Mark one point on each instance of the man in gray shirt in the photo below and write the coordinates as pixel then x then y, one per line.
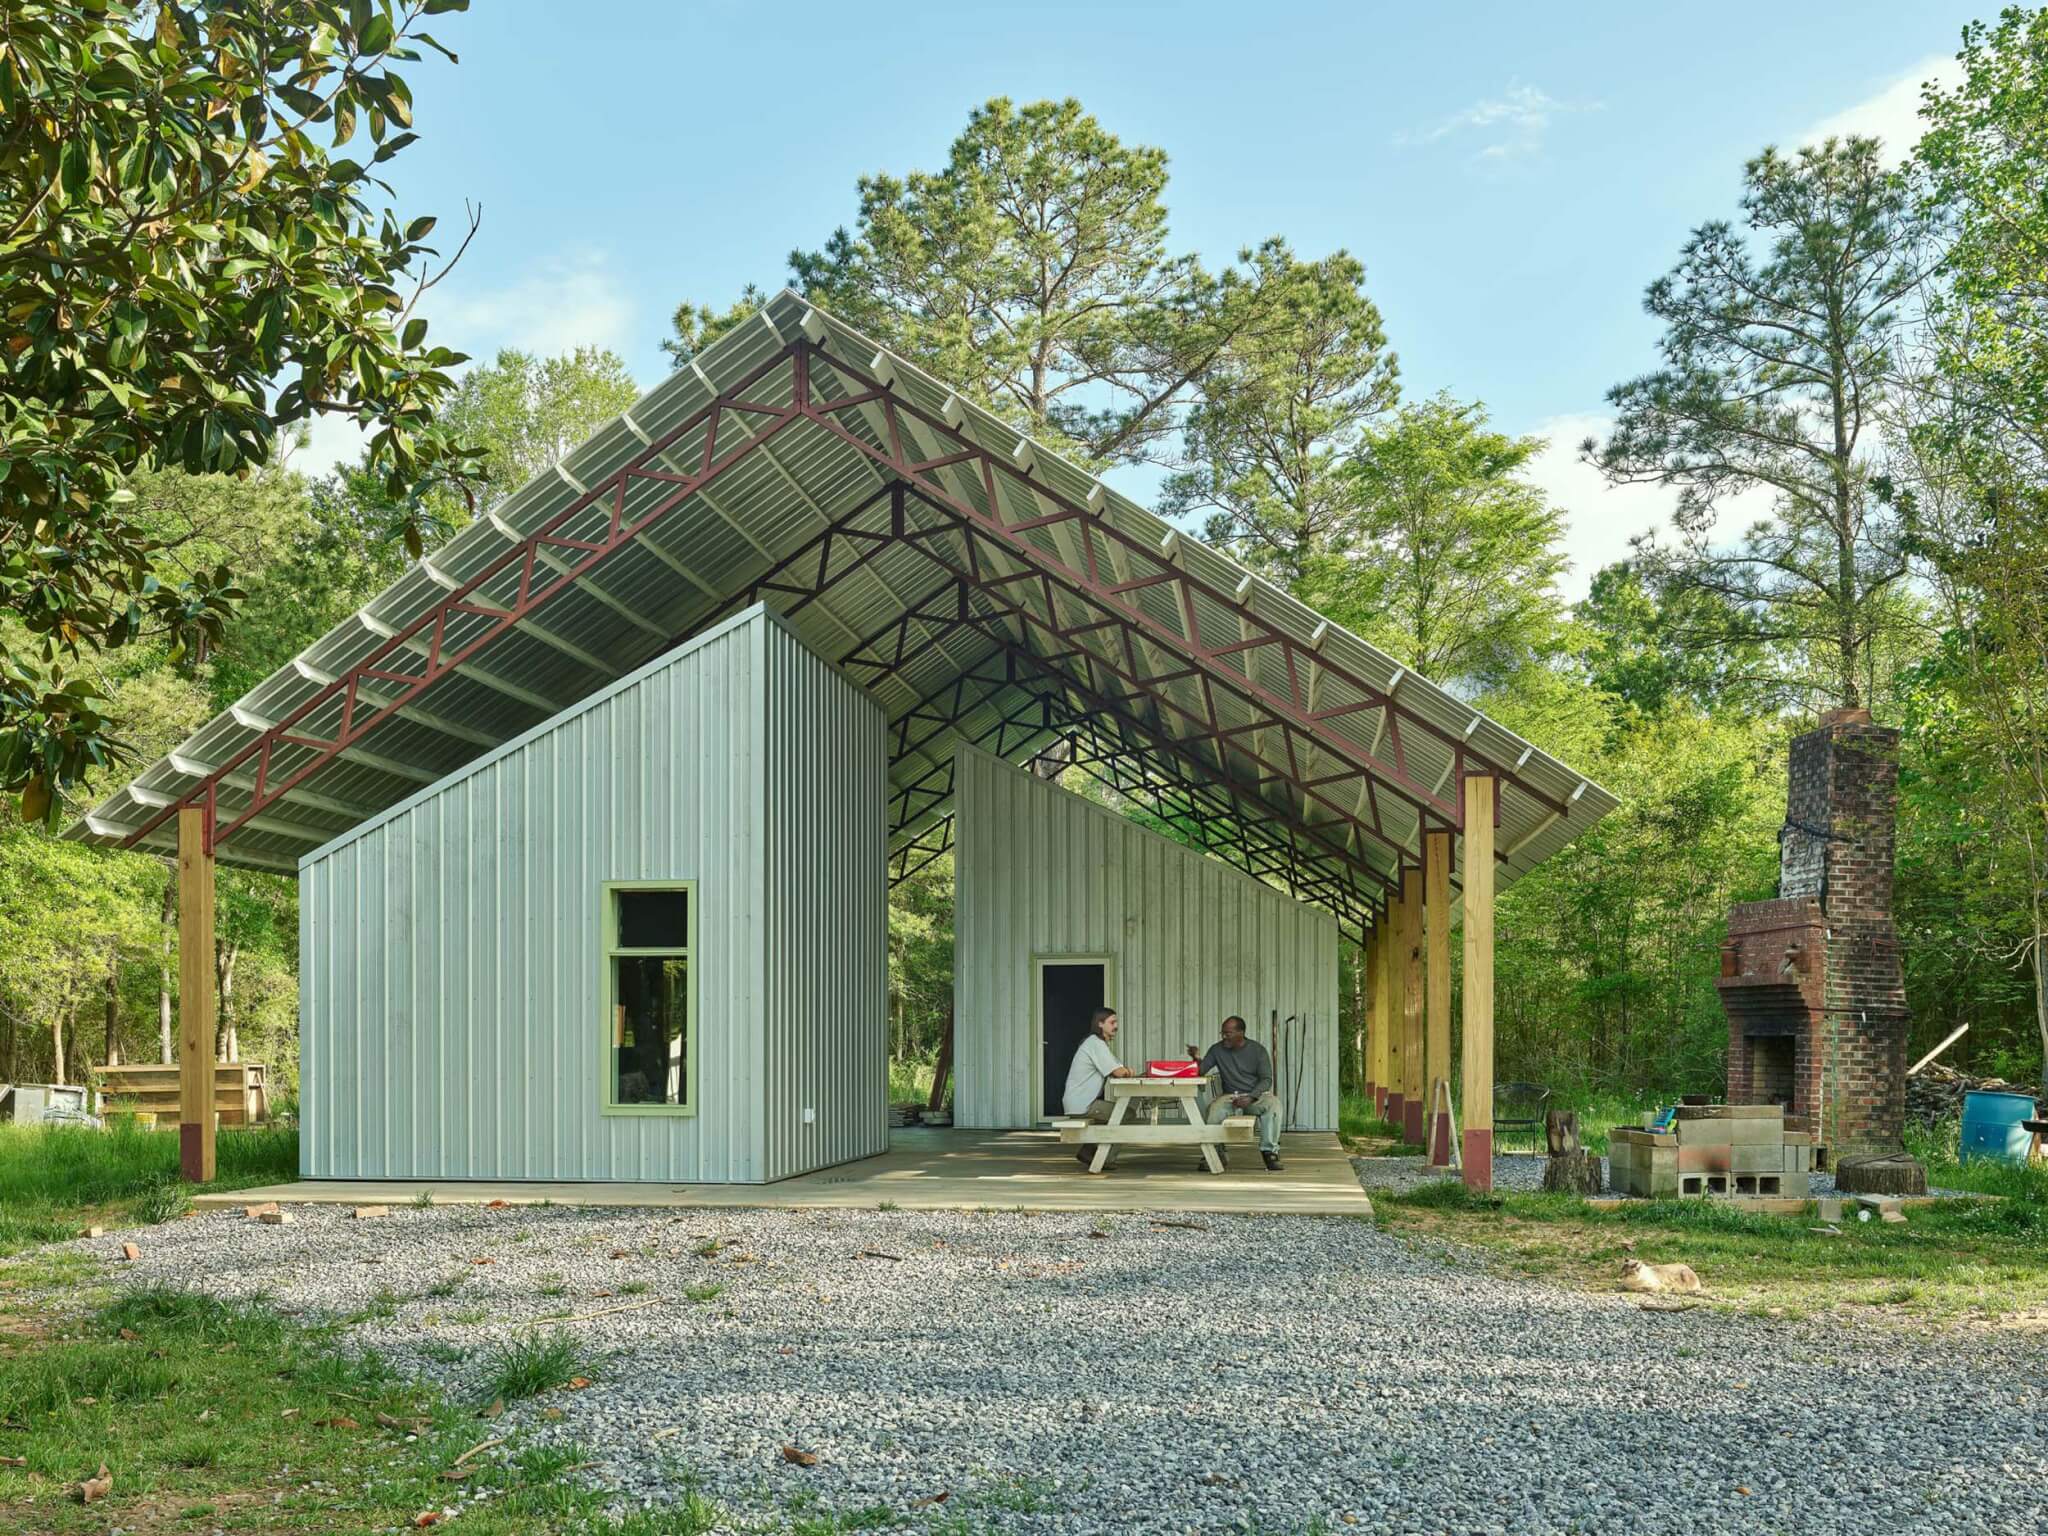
pixel 1244 1070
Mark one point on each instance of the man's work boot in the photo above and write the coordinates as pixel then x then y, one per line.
pixel 1273 1164
pixel 1222 1158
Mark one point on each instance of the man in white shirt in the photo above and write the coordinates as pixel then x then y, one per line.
pixel 1093 1066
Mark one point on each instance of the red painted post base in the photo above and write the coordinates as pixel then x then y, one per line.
pixel 1395 1113
pixel 1411 1122
pixel 1440 1141
pixel 191 1156
pixel 1478 1153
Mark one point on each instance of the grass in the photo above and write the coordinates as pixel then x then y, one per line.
pixel 910 1078
pixel 1949 1260
pixel 530 1366
pixel 55 1179
pixel 231 1415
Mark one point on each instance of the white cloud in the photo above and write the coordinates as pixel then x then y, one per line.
pixel 567 301
pixel 330 440
pixel 1600 518
pixel 1892 112
pixel 571 300
pixel 1510 126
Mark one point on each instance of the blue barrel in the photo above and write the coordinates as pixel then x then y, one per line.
pixel 1991 1126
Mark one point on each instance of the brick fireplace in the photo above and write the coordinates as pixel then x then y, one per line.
pixel 1811 981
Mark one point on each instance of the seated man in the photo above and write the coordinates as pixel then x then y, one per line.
pixel 1245 1070
pixel 1094 1065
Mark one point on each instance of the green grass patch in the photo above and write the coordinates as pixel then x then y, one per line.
pixel 530 1366
pixel 1950 1259
pixel 231 1414
pixel 55 1179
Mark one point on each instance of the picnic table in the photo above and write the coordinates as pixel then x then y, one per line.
pixel 1191 1129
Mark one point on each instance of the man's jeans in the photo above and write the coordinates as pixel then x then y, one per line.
pixel 1266 1107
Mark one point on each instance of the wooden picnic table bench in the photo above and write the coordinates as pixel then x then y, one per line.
pixel 1192 1130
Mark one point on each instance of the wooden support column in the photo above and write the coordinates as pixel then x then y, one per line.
pixel 1436 1052
pixel 195 995
pixel 1409 980
pixel 1368 980
pixel 1390 1015
pixel 1478 1034
pixel 1377 1026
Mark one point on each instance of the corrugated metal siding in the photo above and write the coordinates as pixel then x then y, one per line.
pixel 1040 872
pixel 451 966
pixel 827 930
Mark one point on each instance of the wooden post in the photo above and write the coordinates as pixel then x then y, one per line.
pixel 1410 982
pixel 1390 1016
pixel 1368 997
pixel 195 996
pixel 1375 1026
pixel 1436 1054
pixel 1477 1076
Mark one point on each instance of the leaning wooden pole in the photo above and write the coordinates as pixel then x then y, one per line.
pixel 1413 1086
pixel 1436 885
pixel 1477 1076
pixel 195 996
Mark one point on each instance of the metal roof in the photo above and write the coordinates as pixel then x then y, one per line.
pixel 978 586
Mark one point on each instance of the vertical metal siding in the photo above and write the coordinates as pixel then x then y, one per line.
pixel 1040 872
pixel 826 1044
pixel 450 977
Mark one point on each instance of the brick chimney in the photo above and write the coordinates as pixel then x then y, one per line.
pixel 1812 982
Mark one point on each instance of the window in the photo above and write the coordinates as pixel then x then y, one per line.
pixel 650 1062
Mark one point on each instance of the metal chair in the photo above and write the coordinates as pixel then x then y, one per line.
pixel 1518 1109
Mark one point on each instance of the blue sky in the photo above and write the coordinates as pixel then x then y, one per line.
pixel 1511 175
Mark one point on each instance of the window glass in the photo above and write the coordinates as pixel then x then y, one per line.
pixel 654 919
pixel 649 1000
pixel 650 1029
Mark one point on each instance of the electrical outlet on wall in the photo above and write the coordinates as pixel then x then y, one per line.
pixel 810 1116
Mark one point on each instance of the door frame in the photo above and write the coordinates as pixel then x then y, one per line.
pixel 1039 961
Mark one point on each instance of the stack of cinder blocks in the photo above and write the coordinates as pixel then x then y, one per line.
pixel 1712 1149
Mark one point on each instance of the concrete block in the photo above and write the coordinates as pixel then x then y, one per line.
pixel 1705 1133
pixel 1828 1210
pixel 1697 1159
pixel 1769 1159
pixel 1756 1133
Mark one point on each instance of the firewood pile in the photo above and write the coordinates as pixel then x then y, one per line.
pixel 1935 1093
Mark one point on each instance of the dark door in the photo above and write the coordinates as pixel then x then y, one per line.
pixel 1072 991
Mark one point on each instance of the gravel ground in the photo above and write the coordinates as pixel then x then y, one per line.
pixel 1268 1373
pixel 1524 1172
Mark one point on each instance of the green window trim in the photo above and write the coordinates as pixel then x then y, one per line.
pixel 608 986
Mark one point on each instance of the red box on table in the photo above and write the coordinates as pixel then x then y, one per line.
pixel 1182 1068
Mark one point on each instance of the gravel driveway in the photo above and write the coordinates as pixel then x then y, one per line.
pixel 1267 1373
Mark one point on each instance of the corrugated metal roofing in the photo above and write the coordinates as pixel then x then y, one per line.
pixel 703 556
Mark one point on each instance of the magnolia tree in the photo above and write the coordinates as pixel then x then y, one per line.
pixel 193 265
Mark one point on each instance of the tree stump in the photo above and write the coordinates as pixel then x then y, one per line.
pixel 1880 1173
pixel 1571 1168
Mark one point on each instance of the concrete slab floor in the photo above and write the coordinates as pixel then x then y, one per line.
pixel 927 1170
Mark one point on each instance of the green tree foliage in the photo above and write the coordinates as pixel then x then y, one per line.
pixel 525 414
pixel 1985 159
pixel 1269 441
pixel 694 327
pixel 1450 558
pixel 1777 351
pixel 1033 272
pixel 179 230
pixel 1607 952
